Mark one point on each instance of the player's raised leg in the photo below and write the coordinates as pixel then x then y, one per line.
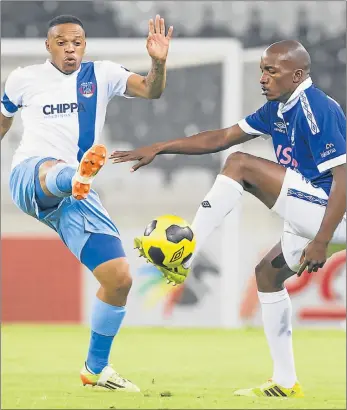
pixel 104 255
pixel 276 308
pixel 260 177
pixel 58 179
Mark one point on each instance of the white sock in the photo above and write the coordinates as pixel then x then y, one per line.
pixel 216 205
pixel 277 318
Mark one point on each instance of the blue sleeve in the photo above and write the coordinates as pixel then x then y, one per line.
pixel 12 97
pixel 257 123
pixel 327 137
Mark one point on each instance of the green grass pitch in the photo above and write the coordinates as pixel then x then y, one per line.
pixel 175 368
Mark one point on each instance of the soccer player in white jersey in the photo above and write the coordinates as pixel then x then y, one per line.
pixel 307 188
pixel 63 105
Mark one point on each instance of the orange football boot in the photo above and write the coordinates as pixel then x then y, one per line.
pixel 91 163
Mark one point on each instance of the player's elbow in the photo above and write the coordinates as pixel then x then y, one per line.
pixel 154 95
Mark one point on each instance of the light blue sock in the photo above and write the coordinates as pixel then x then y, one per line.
pixel 106 321
pixel 59 179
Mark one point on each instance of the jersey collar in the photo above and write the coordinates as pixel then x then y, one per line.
pixel 294 98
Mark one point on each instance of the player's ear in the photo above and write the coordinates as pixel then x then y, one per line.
pixel 47 46
pixel 297 76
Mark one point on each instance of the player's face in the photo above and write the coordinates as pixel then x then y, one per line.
pixel 278 79
pixel 66 43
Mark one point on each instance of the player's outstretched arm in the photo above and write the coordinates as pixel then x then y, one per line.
pixel 152 86
pixel 203 143
pixel 6 123
pixel 315 253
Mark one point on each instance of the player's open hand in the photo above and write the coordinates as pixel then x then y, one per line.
pixel 157 41
pixel 313 257
pixel 144 156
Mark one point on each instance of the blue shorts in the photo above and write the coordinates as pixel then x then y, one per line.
pixel 84 226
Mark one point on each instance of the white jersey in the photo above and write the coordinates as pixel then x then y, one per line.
pixel 63 115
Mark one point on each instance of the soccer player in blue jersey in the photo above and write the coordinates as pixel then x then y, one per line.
pixel 64 103
pixel 307 188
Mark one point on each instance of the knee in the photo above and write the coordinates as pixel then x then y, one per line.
pixel 267 278
pixel 236 162
pixel 261 275
pixel 114 276
pixel 121 281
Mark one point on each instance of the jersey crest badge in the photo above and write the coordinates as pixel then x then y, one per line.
pixel 87 89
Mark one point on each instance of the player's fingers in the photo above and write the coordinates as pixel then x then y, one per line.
pixel 157 24
pixel 116 154
pixel 137 166
pixel 302 268
pixel 169 33
pixel 162 26
pixel 119 157
pixel 123 159
pixel 310 267
pixel 150 27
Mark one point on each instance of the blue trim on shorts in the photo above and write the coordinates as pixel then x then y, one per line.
pixel 307 197
pixel 101 248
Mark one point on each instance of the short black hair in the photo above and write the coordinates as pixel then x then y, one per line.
pixel 63 19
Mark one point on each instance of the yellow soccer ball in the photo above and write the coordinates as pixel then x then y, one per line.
pixel 168 241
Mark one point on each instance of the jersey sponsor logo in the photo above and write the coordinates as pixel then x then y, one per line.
pixel 87 89
pixel 329 149
pixel 280 127
pixel 65 108
pixel 285 157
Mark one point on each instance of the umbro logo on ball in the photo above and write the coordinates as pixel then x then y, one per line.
pixel 177 255
pixel 205 204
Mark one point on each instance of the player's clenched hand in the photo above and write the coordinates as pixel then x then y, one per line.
pixel 313 257
pixel 157 41
pixel 144 156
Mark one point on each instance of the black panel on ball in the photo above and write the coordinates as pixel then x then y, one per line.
pixel 186 259
pixel 176 233
pixel 157 256
pixel 150 228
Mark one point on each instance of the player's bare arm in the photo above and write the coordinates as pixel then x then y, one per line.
pixel 152 86
pixel 205 142
pixel 6 123
pixel 315 254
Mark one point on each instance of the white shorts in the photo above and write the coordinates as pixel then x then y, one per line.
pixel 302 206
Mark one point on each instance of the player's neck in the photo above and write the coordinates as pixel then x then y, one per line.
pixel 285 98
pixel 55 66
